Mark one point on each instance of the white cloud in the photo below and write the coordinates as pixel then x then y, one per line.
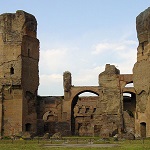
pixel 119 46
pixel 85 66
pixel 122 53
pixel 52 83
pixel 45 79
pixel 101 47
pixel 52 60
pixel 88 76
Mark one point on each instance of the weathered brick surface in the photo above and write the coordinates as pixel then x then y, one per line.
pixel 106 114
pixel 141 74
pixel 19 79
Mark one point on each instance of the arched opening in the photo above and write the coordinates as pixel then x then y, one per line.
pixel 28 127
pixel 130 84
pixel 82 110
pixel 129 107
pixel 129 102
pixel 143 129
pixel 85 94
pixel 50 119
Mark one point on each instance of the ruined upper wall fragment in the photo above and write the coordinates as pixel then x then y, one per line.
pixel 143 34
pixel 143 26
pixel 111 69
pixel 13 26
pixel 67 81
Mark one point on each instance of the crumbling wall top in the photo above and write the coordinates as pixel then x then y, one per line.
pixel 111 69
pixel 13 26
pixel 143 26
pixel 67 81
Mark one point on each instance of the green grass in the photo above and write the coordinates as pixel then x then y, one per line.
pixel 34 145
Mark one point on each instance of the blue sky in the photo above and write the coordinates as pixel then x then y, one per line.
pixel 81 36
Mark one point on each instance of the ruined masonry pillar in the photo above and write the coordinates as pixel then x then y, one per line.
pixel 67 82
pixel 1 114
pixel 141 75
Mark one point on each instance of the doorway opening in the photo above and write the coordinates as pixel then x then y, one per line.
pixel 143 129
pixel 82 110
pixel 28 127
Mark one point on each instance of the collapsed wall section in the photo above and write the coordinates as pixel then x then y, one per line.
pixel 141 74
pixel 107 117
pixel 17 33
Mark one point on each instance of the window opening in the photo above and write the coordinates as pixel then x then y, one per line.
pixel 94 110
pixel 28 52
pixel 79 110
pixel 143 129
pixel 11 70
pixel 87 110
pixel 142 47
pixel 28 127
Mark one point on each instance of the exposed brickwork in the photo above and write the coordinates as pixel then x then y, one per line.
pixel 19 80
pixel 141 73
pixel 107 114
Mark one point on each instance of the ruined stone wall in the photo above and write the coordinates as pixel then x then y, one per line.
pixel 109 83
pixel 141 73
pixel 49 111
pixel 107 117
pixel 67 83
pixel 104 115
pixel 30 79
pixel 129 108
pixel 83 112
pixel 12 108
pixel 18 71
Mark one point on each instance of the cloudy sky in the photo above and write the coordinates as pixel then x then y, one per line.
pixel 81 36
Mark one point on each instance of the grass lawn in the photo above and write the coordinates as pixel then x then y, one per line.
pixel 34 145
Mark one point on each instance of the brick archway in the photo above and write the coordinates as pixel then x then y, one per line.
pixel 74 105
pixel 76 90
pixel 71 99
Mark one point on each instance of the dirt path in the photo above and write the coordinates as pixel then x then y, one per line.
pixel 81 145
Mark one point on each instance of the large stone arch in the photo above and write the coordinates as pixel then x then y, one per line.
pixel 129 90
pixel 129 109
pixel 75 98
pixel 70 101
pixel 125 79
pixel 49 119
pixel 81 89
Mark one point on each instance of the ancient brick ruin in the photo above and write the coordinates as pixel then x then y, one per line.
pixel 110 112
